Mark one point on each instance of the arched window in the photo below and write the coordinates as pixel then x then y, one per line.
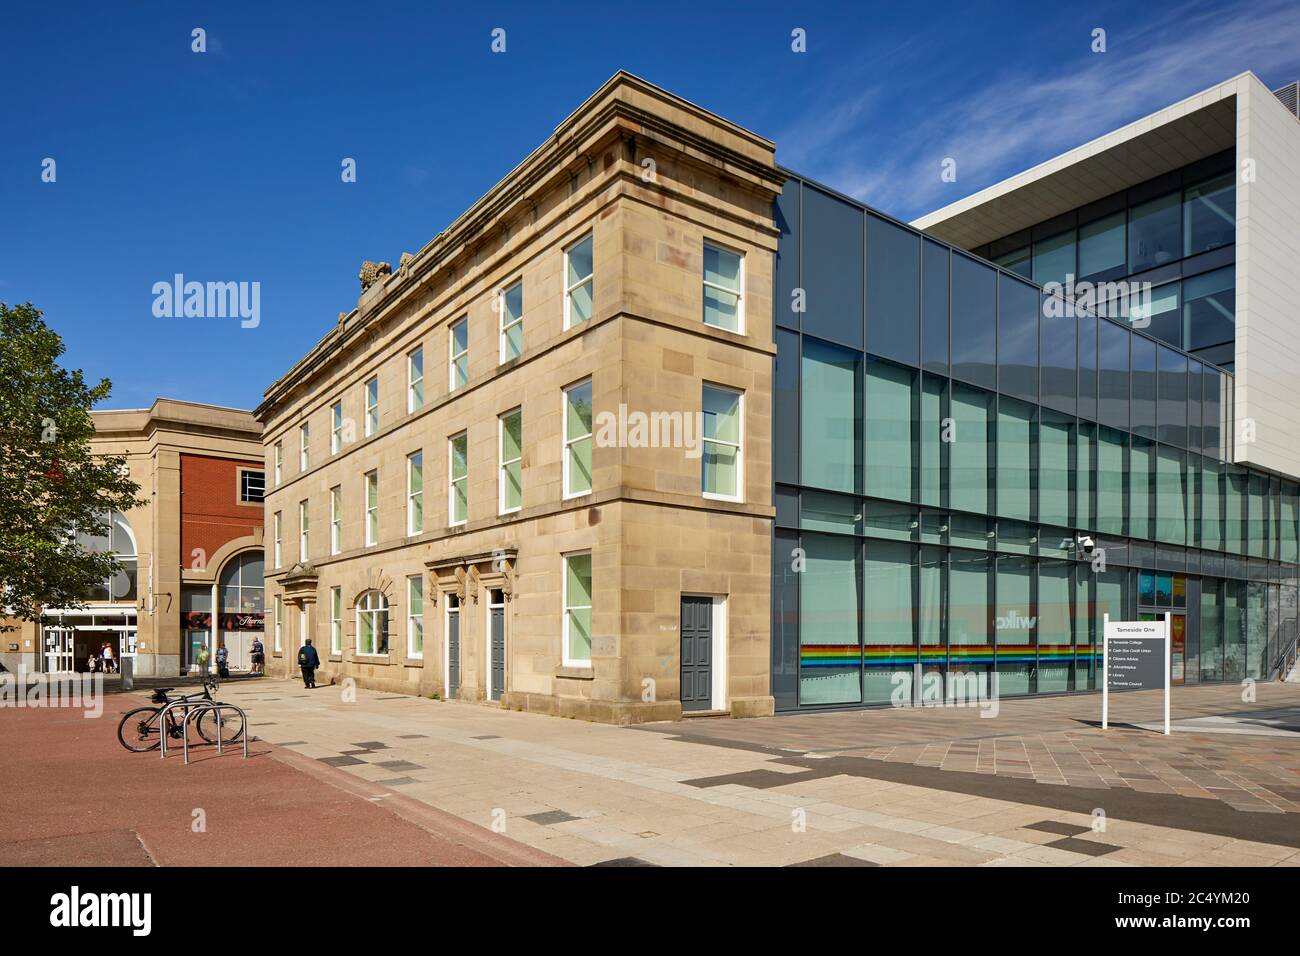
pixel 372 623
pixel 113 536
pixel 242 586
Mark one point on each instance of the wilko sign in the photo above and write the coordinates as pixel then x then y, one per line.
pixel 1135 657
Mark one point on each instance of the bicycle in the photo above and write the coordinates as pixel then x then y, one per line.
pixel 139 729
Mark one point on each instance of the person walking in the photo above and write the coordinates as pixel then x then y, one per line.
pixel 223 662
pixel 308 660
pixel 258 657
pixel 203 658
pixel 107 654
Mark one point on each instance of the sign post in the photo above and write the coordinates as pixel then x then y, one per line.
pixel 1135 656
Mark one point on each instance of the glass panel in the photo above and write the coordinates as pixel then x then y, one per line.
pixel 819 511
pixel 1234 630
pixel 1018 307
pixel 969 645
pixel 974 322
pixel 1155 312
pixel 934 304
pixel 1110 481
pixel 830 429
pixel 1054 467
pixel 888 424
pixel 1113 379
pixel 968 450
pixel 1101 245
pixel 889 652
pixel 785 408
pixel 934 490
pixel 1014 626
pixel 893 290
pixel 579 262
pixel 1059 355
pixel 1142 409
pixel 1172 420
pixel 1088 366
pixel 829 614
pixel 1209 215
pixel 578 606
pixel 1055 630
pixel 1155 232
pixel 1256 629
pixel 1211 504
pixel 1210 308
pixel 1014 458
pixel 1171 496
pixel 1085 475
pixel 832 268
pixel 1054 258
pixel 1141 464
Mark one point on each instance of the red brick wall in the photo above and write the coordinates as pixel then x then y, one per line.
pixel 211 512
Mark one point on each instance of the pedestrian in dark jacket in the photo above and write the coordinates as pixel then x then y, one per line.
pixel 308 660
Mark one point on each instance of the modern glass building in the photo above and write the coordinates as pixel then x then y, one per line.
pixel 968 473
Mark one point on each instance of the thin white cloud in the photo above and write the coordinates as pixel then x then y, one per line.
pixel 1016 119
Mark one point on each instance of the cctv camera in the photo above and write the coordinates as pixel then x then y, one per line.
pixel 1086 543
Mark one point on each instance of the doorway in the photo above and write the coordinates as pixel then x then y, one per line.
pixel 703 653
pixel 1177 643
pixel 496 643
pixel 59 650
pixel 452 662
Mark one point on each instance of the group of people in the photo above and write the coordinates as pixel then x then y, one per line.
pixel 102 662
pixel 257 659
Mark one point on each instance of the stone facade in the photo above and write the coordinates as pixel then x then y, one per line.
pixel 650 178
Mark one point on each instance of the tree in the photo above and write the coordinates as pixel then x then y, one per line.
pixel 51 485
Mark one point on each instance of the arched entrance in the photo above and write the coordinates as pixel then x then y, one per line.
pixel 240 616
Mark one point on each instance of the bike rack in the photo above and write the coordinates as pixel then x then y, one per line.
pixel 192 710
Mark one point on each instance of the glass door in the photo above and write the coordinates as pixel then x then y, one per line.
pixel 58 650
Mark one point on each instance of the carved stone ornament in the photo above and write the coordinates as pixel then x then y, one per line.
pixel 371 271
pixel 404 263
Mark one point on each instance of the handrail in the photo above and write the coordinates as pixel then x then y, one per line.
pixel 1286 658
pixel 162 719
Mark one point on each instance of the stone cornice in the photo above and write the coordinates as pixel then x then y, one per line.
pixel 611 114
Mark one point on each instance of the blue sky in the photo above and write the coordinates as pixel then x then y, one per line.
pixel 225 166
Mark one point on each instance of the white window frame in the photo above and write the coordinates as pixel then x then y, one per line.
pixel 502 463
pixel 590 279
pixel 372 510
pixel 452 480
pixel 372 407
pixel 503 326
pixel 336 427
pixel 304 531
pixel 336 620
pixel 565 608
pixel 374 631
pixel 277 531
pixel 304 446
pixel 569 441
pixel 278 462
pixel 411 652
pixel 336 519
pixel 739 445
pixel 453 355
pixel 414 460
pixel 414 382
pixel 738 292
pixel 278 606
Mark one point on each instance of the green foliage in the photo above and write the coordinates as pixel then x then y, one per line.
pixel 50 483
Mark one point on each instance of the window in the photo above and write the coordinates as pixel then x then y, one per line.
pixel 1019 305
pixel 276 537
pixel 336 520
pixel 111 534
pixel 1101 245
pixel 279 617
pixel 722 458
pixel 723 280
pixel 336 620
pixel 372 624
pixel 893 291
pixel 279 462
pixel 415 616
pixel 831 408
pixel 415 493
pixel 887 430
pixel 579 285
pixel 372 507
pixel 304 446
pixel 974 322
pixel 458 338
pixel 511 486
pixel 243 585
pixel 372 406
pixel 1209 215
pixel 458 479
pixel 415 380
pixel 304 532
pixel 577 439
pixel 252 486
pixel 336 428
pixel 577 608
pixel 1054 258
pixel 1210 308
pixel 511 304
pixel 1155 233
pixel 1157 314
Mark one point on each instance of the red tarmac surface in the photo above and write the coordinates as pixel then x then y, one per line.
pixel 73 796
